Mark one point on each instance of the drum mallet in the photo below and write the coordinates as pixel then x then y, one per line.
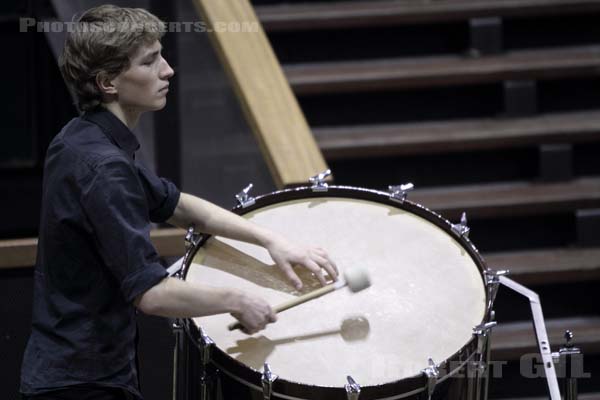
pixel 356 279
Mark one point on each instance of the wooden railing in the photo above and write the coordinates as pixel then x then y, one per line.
pixel 21 253
pixel 270 107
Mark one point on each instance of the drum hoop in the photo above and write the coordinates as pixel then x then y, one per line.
pixel 394 397
pixel 407 386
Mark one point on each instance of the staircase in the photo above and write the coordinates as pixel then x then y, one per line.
pixel 490 107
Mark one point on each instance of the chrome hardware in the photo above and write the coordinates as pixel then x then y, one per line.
pixel 493 275
pixel 189 236
pixel 180 366
pixel 432 374
pixel 267 380
pixel 399 192
pixel 461 229
pixel 352 389
pixel 205 343
pixel 482 357
pixel 318 181
pixel 243 198
pixel 568 357
pixel 191 240
pixel 484 329
pixel 568 337
pixel 492 282
pixel 482 332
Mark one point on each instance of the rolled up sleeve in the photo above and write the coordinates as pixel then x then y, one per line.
pixel 117 208
pixel 162 195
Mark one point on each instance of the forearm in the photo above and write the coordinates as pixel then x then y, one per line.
pixel 182 299
pixel 209 218
pixel 212 219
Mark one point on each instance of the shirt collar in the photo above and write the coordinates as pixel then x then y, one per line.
pixel 116 130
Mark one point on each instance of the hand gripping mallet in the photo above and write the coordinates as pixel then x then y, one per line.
pixel 356 279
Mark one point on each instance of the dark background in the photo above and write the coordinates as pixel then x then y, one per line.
pixel 202 142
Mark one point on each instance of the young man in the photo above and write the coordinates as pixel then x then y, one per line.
pixel 96 264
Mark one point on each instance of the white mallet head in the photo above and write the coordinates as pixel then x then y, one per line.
pixel 357 279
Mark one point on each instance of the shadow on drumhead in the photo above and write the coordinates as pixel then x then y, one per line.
pixel 227 258
pixel 254 351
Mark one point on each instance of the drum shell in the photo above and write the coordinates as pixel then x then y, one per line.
pixel 237 379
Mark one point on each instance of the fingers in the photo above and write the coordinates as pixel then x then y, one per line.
pixel 327 264
pixel 318 259
pixel 255 314
pixel 287 269
pixel 316 270
pixel 252 328
pixel 272 317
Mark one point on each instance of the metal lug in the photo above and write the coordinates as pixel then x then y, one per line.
pixel 484 329
pixel 399 192
pixel 190 236
pixel 432 374
pixel 461 229
pixel 267 380
pixel 352 389
pixel 482 332
pixel 243 198
pixel 318 181
pixel 205 343
pixel 493 275
pixel 492 283
pixel 191 240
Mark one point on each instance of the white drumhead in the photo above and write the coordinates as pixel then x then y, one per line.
pixel 426 296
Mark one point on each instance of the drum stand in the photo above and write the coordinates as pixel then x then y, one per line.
pixel 564 357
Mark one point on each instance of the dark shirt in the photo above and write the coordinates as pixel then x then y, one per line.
pixel 94 257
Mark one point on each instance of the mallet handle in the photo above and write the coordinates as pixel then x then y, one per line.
pixel 298 300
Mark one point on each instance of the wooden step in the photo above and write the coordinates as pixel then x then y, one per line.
pixel 549 266
pixel 512 340
pixel 403 73
pixel 21 253
pixel 459 135
pixel 353 14
pixel 580 396
pixel 511 199
pixel 485 200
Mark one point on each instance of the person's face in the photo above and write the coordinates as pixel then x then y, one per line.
pixel 144 85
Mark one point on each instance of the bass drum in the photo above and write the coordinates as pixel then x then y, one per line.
pixel 427 294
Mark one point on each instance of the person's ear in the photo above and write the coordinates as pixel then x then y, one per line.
pixel 106 83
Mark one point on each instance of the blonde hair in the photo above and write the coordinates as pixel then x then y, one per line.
pixel 103 40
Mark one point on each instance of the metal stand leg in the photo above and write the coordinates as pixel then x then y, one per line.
pixel 566 357
pixel 180 362
pixel 481 364
pixel 207 379
pixel 193 376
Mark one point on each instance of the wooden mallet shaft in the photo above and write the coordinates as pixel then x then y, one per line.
pixel 356 279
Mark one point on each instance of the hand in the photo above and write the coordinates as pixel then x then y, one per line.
pixel 253 313
pixel 286 254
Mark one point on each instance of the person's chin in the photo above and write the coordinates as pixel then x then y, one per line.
pixel 159 104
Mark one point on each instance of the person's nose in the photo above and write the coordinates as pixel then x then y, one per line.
pixel 166 72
